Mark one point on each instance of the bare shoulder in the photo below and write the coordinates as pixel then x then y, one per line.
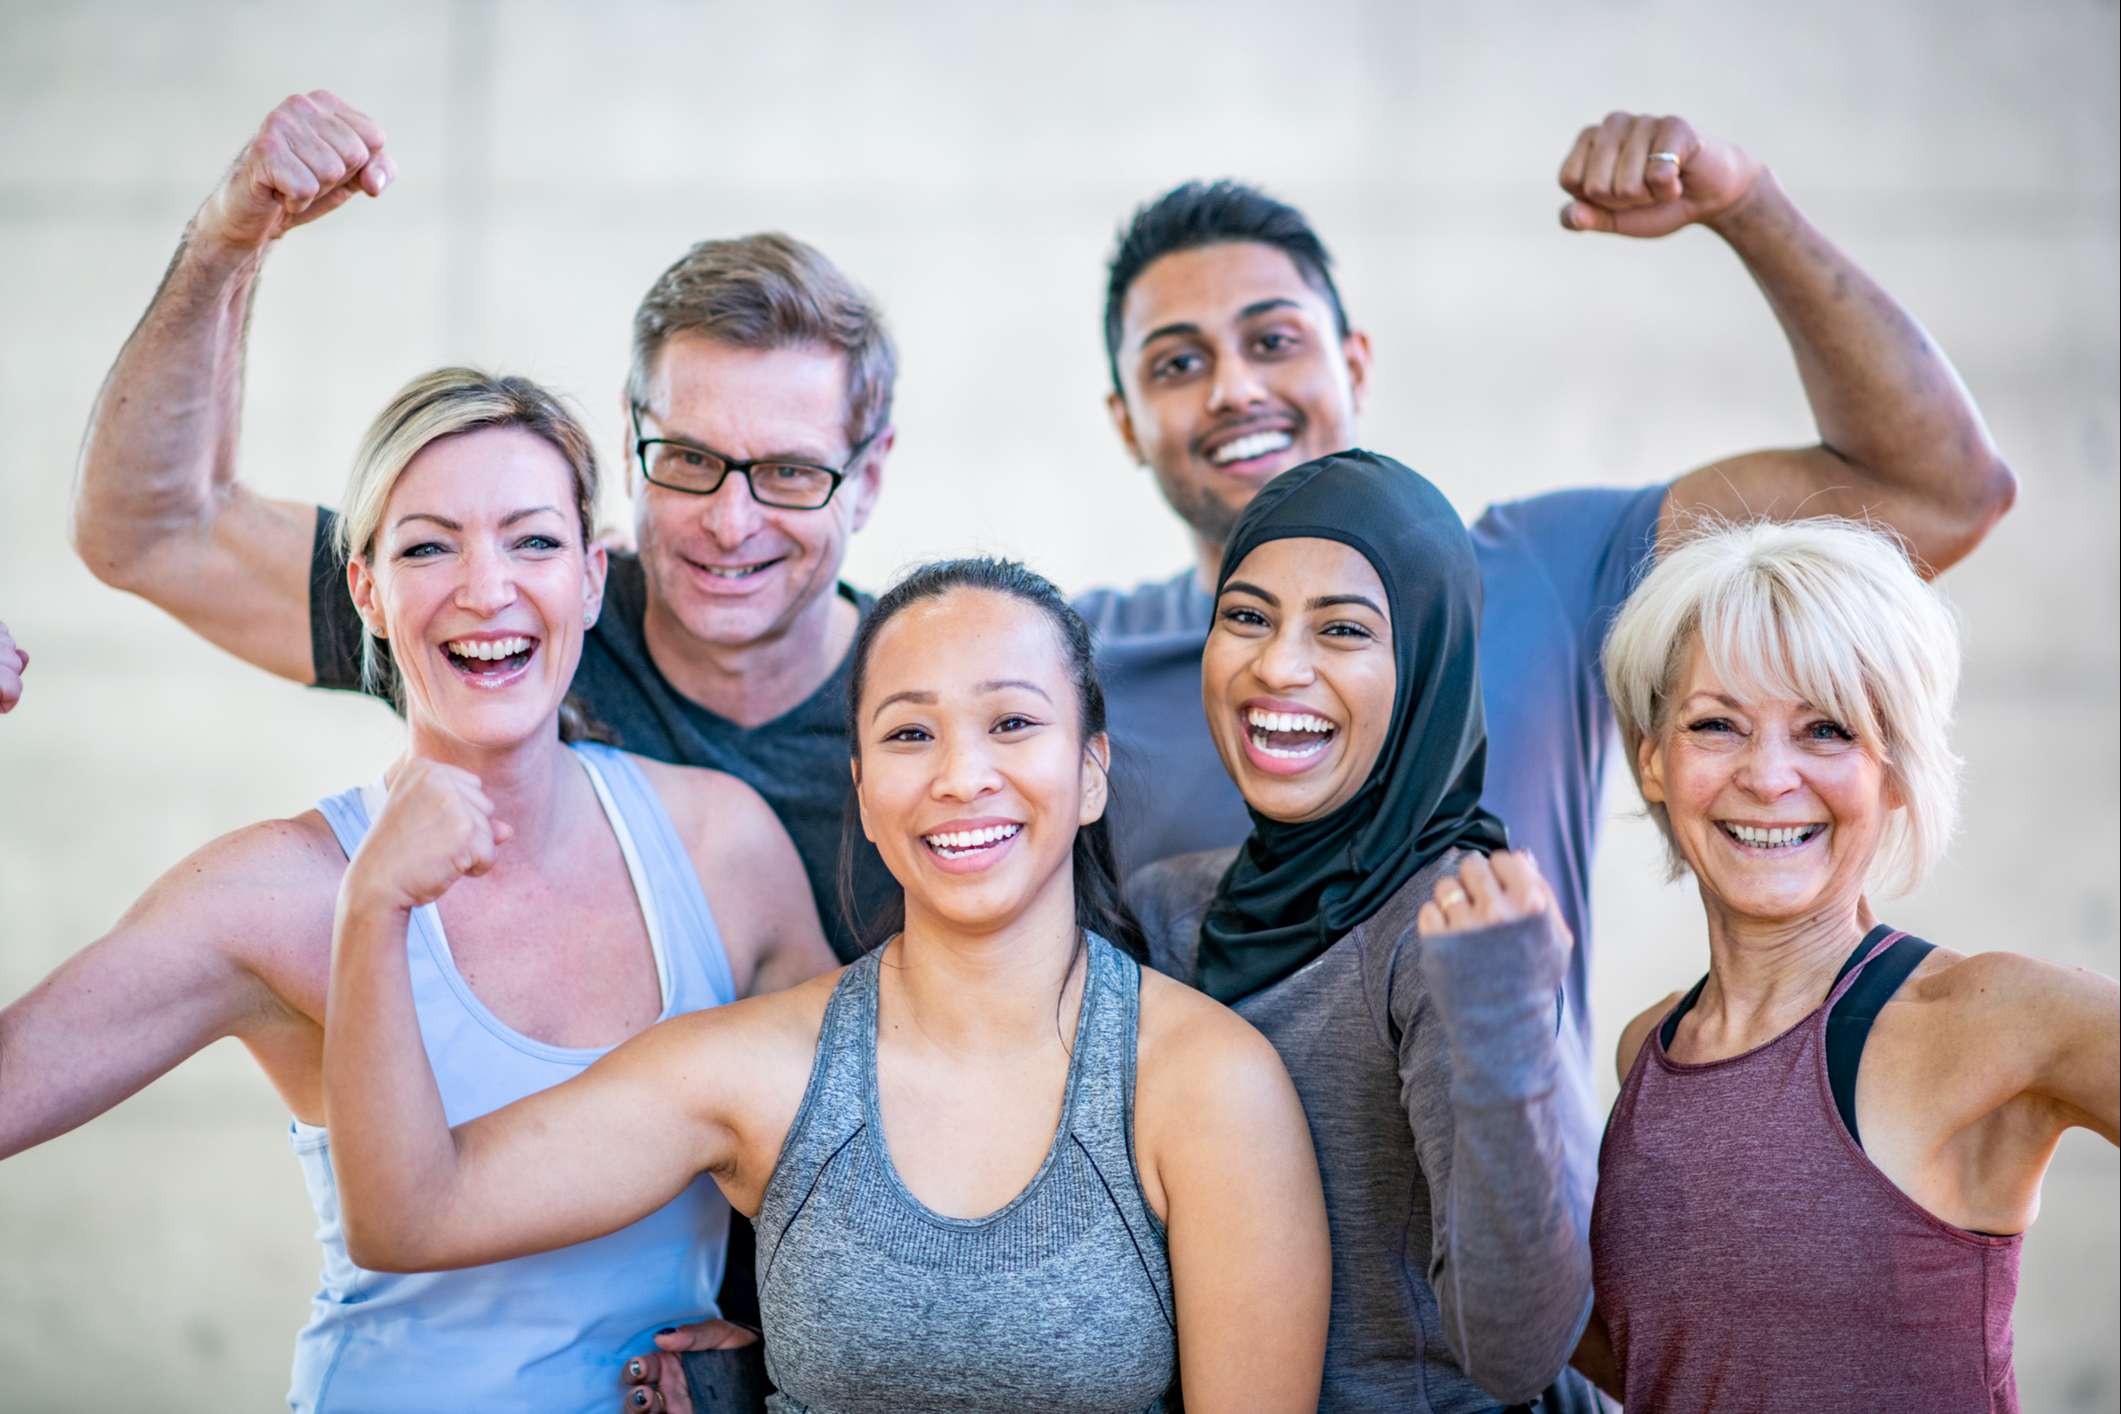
pixel 1637 1032
pixel 1990 986
pixel 701 800
pixel 1195 1050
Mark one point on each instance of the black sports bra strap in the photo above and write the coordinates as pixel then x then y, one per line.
pixel 1848 1025
pixel 1666 1032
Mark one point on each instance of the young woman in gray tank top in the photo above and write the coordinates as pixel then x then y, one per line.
pixel 994 1165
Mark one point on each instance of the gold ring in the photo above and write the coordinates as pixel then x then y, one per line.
pixel 1456 895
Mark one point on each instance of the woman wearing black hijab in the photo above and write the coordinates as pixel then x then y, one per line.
pixel 1377 930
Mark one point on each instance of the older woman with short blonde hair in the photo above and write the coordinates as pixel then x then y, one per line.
pixel 1815 1181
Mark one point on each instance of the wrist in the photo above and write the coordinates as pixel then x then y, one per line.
pixel 210 255
pixel 1759 210
pixel 365 900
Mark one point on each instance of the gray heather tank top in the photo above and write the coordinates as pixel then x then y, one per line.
pixel 1059 1300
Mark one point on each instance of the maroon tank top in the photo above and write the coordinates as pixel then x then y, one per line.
pixel 1749 1257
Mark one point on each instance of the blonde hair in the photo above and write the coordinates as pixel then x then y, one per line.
pixel 769 291
pixel 446 403
pixel 1826 611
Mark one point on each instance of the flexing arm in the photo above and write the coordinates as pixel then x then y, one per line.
pixel 157 507
pixel 1900 439
pixel 1251 1264
pixel 1510 1260
pixel 180 970
pixel 2062 1028
pixel 561 1166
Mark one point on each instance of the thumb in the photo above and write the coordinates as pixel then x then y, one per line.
pixel 503 832
pixel 1582 216
pixel 707 1335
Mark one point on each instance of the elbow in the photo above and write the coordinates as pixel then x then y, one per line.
pixel 382 1241
pixel 1984 491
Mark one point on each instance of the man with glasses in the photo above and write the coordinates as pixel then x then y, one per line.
pixel 759 403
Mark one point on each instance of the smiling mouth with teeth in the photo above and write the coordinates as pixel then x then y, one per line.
pixel 1256 444
pixel 1775 837
pixel 956 844
pixel 1290 736
pixel 490 656
pixel 736 571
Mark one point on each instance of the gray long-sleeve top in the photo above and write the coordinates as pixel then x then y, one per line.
pixel 1429 1070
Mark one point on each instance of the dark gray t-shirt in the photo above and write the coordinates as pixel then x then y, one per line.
pixel 797 761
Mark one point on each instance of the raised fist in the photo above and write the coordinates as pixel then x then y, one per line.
pixel 1500 888
pixel 311 156
pixel 437 827
pixel 12 661
pixel 1642 176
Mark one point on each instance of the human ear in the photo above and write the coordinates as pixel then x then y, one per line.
pixel 1649 769
pixel 868 478
pixel 1123 424
pixel 596 563
pixel 1097 779
pixel 1355 349
pixel 361 584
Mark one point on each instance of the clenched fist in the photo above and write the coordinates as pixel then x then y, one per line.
pixel 311 156
pixel 1500 888
pixel 437 827
pixel 1641 176
pixel 12 661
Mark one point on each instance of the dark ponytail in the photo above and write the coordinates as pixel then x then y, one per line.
pixel 1100 907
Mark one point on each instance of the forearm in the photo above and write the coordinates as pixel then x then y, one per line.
pixel 392 1150
pixel 1885 398
pixel 161 442
pixel 1511 1259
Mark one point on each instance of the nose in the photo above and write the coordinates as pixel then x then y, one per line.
pixel 730 516
pixel 1237 385
pixel 489 584
pixel 1768 770
pixel 1284 661
pixel 966 771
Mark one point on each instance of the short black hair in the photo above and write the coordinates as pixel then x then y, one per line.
pixel 1209 213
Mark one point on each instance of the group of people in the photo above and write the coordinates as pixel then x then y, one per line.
pixel 1176 995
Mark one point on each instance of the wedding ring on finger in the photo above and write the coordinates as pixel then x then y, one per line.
pixel 1671 157
pixel 1450 896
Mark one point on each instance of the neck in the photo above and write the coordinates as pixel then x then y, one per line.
pixel 989 990
pixel 1765 973
pixel 526 782
pixel 1207 560
pixel 753 682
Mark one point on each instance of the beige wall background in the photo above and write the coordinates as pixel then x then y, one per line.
pixel 970 164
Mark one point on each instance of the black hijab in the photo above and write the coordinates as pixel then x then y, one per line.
pixel 1294 890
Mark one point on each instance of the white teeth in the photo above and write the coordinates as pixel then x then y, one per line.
pixel 1259 444
pixel 1773 837
pixel 1286 721
pixel 953 843
pixel 488 649
pixel 738 572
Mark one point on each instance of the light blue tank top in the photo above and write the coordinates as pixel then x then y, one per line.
pixel 550 1331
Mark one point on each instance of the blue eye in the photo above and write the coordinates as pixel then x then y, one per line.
pixel 1825 730
pixel 425 549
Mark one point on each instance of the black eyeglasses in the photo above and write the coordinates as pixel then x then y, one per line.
pixel 696 471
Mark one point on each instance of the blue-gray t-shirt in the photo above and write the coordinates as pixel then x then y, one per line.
pixel 1554 569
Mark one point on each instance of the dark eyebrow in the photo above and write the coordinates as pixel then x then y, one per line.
pixel 1241 586
pixel 925 699
pixel 1162 330
pixel 1328 601
pixel 1261 306
pixel 996 684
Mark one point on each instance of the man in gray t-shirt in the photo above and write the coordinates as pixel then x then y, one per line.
pixel 1232 360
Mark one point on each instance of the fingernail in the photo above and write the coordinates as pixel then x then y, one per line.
pixel 640 1399
pixel 668 1330
pixel 635 1369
